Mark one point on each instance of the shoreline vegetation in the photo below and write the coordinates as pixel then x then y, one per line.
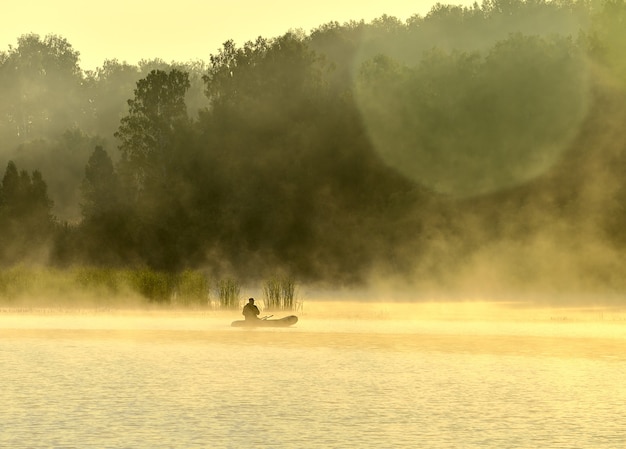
pixel 108 287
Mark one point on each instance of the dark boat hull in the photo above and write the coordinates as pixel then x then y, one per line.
pixel 282 322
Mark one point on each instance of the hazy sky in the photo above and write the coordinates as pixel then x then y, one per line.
pixel 182 30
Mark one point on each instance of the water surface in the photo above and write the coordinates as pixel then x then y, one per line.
pixel 152 379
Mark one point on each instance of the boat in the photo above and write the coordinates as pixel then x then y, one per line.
pixel 280 322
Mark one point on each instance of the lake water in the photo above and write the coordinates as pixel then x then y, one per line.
pixel 186 379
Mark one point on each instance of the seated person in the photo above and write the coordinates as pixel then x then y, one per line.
pixel 250 311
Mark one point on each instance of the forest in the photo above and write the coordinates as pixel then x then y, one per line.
pixel 474 149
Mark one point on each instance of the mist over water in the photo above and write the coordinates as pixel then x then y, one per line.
pixel 372 376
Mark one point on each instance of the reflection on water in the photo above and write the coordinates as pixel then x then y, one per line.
pixel 85 379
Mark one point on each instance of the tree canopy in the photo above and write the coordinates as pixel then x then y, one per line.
pixel 419 151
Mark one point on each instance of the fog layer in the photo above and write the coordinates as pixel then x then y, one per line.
pixel 474 149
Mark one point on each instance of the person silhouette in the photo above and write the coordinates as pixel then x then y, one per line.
pixel 250 311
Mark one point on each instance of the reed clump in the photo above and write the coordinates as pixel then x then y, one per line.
pixel 189 288
pixel 279 293
pixel 193 289
pixel 228 292
pixel 100 281
pixel 17 281
pixel 155 286
pixel 96 284
pixel 21 282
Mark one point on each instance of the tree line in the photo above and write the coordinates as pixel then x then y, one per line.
pixel 406 149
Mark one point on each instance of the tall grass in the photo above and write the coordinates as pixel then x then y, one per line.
pixel 20 282
pixel 271 294
pixel 193 289
pixel 279 293
pixel 80 284
pixel 95 285
pixel 100 281
pixel 17 281
pixel 228 292
pixel 155 286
